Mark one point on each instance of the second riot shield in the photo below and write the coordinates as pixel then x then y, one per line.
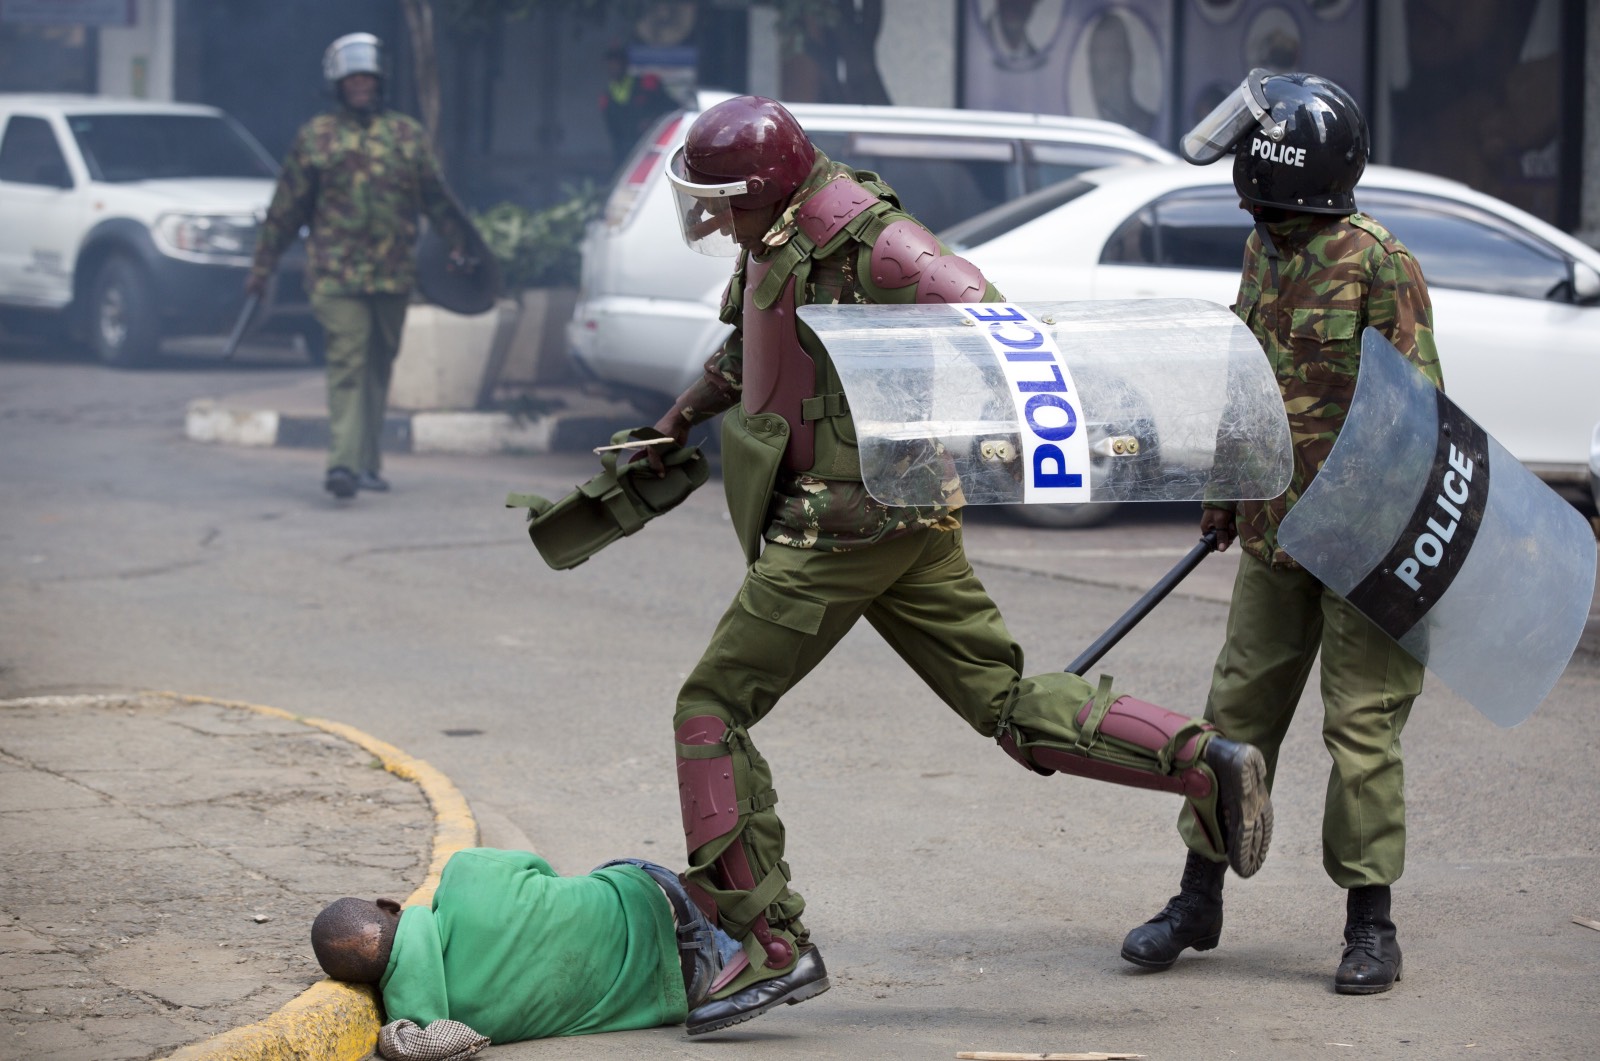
pixel 1058 402
pixel 1432 530
pixel 467 284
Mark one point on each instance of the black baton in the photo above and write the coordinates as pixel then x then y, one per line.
pixel 249 310
pixel 1152 597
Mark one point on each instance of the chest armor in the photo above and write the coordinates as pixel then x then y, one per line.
pixel 779 374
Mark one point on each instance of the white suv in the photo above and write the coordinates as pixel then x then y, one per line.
pixel 646 318
pixel 133 220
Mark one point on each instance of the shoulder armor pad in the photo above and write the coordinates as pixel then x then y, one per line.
pixel 902 252
pixel 834 206
pixel 951 279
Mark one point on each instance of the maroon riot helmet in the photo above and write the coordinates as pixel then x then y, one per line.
pixel 747 153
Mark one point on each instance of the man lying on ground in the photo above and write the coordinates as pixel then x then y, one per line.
pixel 511 951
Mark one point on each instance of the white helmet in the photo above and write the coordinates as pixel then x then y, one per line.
pixel 354 53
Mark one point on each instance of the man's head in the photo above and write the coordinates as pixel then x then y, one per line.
pixel 352 938
pixel 740 163
pixel 616 62
pixel 1300 143
pixel 353 67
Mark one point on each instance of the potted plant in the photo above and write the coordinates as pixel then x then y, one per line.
pixel 450 361
pixel 540 258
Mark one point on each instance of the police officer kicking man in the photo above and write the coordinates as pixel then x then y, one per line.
pixel 1316 273
pixel 357 176
pixel 823 553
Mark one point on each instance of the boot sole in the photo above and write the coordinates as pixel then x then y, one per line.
pixel 1249 812
pixel 795 997
pixel 1209 943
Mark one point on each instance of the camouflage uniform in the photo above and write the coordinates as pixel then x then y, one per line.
pixel 358 181
pixel 1336 277
pixel 833 554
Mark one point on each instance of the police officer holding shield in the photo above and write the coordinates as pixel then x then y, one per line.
pixel 824 553
pixel 1317 272
pixel 358 177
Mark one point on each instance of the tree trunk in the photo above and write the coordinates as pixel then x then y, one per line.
pixel 831 55
pixel 419 20
pixel 857 43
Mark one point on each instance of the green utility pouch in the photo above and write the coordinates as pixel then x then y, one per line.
pixel 614 503
pixel 752 453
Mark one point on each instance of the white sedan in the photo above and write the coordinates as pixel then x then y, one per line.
pixel 1516 301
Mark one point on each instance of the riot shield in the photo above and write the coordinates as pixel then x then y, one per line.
pixel 1444 540
pixel 469 286
pixel 1058 402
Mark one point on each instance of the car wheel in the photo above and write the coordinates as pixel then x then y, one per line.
pixel 1063 517
pixel 124 330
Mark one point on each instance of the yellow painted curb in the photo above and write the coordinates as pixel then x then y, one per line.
pixel 331 1021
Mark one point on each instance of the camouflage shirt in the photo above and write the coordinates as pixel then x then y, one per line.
pixel 809 511
pixel 1336 277
pixel 359 182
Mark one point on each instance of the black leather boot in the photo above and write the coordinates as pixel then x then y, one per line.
pixel 1371 962
pixel 1243 804
pixel 1192 918
pixel 807 979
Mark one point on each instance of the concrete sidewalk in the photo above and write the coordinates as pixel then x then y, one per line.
pixel 163 857
pixel 547 420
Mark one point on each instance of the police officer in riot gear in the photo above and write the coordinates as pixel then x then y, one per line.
pixel 1316 274
pixel 823 553
pixel 356 177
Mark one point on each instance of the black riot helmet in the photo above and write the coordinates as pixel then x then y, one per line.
pixel 1299 142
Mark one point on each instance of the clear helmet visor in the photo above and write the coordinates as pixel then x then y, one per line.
pixel 705 213
pixel 1220 132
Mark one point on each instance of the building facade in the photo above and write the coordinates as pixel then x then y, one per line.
pixel 1503 96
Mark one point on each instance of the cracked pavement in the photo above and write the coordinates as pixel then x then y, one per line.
pixel 161 861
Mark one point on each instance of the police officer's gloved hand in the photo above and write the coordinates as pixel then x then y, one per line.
pixel 255 284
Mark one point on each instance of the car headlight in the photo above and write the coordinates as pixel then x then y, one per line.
pixel 220 238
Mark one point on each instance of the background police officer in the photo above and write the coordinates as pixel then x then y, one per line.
pixel 823 553
pixel 1316 273
pixel 356 177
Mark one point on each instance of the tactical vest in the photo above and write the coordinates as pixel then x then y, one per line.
pixel 786 370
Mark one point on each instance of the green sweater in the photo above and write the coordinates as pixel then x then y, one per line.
pixel 516 952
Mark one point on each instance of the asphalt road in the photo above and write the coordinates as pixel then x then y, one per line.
pixel 961 904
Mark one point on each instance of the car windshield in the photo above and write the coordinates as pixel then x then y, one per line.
pixel 1018 212
pixel 139 147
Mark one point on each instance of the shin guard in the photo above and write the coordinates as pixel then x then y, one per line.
pixel 713 819
pixel 1127 742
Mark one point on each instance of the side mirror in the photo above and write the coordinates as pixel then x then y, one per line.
pixel 1585 284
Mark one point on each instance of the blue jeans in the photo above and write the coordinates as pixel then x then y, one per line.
pixel 703 948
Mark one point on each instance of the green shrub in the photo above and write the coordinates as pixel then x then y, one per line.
pixel 540 248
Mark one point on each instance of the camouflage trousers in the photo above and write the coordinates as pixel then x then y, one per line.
pixel 1279 620
pixel 363 336
pixel 920 593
